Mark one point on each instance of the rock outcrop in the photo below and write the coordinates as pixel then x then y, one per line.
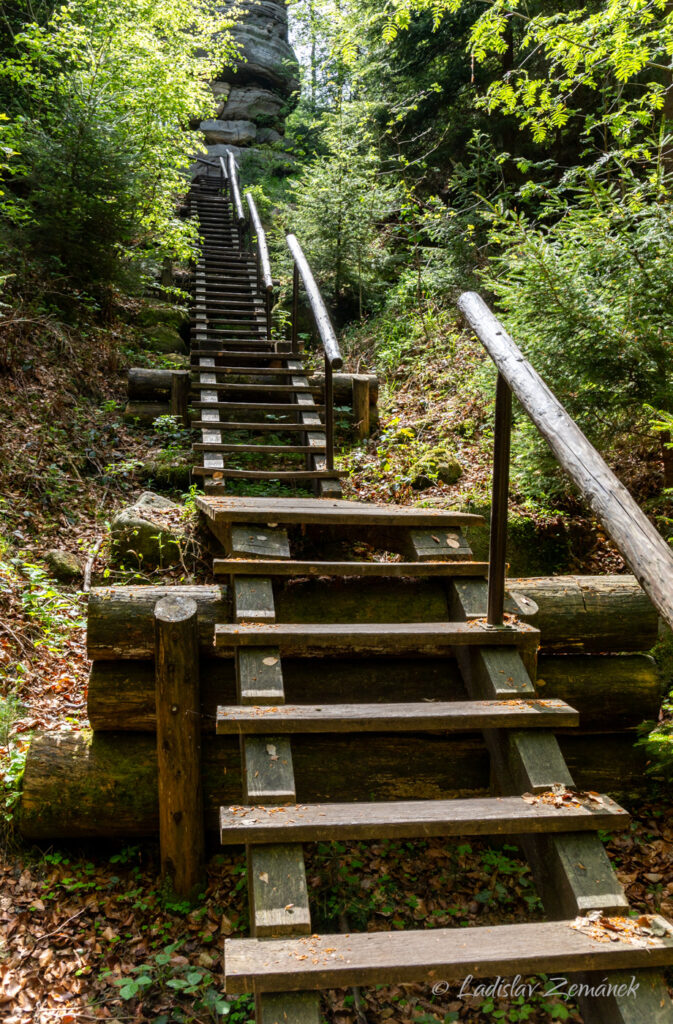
pixel 254 96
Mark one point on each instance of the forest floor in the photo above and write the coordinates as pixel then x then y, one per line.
pixel 86 931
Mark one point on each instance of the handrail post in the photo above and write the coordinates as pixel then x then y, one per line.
pixel 295 310
pixel 498 541
pixel 329 413
pixel 267 300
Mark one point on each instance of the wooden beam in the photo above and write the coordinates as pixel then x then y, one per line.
pixel 178 709
pixel 449 954
pixel 434 716
pixel 238 566
pixel 340 637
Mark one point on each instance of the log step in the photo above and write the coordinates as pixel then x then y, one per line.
pixel 448 954
pixel 434 716
pixel 267 474
pixel 329 510
pixel 240 567
pixel 377 637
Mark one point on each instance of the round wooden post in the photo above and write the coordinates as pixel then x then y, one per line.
pixel 180 395
pixel 176 669
pixel 361 404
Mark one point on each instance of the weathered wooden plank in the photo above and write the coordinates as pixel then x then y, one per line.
pixel 258 542
pixel 327 510
pixel 224 567
pixel 278 890
pixel 379 958
pixel 268 772
pixel 303 638
pixel 253 599
pixel 439 716
pixel 271 474
pixel 428 545
pixel 510 815
pixel 259 676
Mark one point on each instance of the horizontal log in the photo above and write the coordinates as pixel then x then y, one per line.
pixel 611 692
pixel 575 613
pixel 79 785
pixel 120 620
pixel 343 386
pixel 146 412
pixel 590 613
pixel 147 384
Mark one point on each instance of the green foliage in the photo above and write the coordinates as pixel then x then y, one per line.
pixel 619 50
pixel 169 973
pixel 339 207
pixel 584 293
pixel 98 97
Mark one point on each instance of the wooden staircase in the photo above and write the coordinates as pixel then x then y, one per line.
pixel 250 397
pixel 533 796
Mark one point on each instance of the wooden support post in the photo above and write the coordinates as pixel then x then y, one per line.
pixel 181 825
pixel 361 404
pixel 180 396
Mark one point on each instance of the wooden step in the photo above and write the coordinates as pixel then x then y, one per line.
pixel 288 407
pixel 283 357
pixel 412 819
pixel 433 716
pixel 267 474
pixel 283 389
pixel 257 428
pixel 445 954
pixel 377 637
pixel 252 371
pixel 269 449
pixel 237 567
pixel 329 510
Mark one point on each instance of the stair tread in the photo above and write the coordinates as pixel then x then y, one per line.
pixel 288 407
pixel 267 474
pixel 228 567
pixel 450 716
pixel 269 449
pixel 448 954
pixel 409 819
pixel 329 510
pixel 260 428
pixel 370 636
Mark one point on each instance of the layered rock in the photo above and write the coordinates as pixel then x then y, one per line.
pixel 253 96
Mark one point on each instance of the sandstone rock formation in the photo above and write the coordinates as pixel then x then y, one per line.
pixel 253 97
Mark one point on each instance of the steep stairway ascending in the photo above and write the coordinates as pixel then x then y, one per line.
pixel 283 962
pixel 256 409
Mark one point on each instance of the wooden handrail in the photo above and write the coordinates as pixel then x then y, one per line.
pixel 644 549
pixel 235 191
pixel 262 247
pixel 321 316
